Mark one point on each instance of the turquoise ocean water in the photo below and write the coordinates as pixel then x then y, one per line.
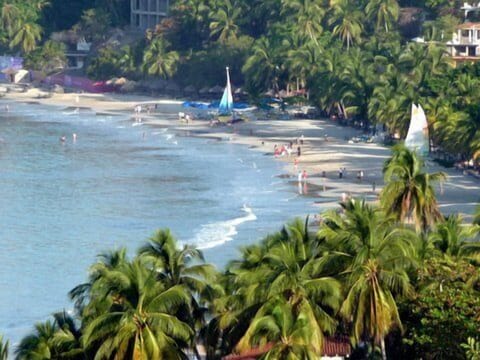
pixel 62 203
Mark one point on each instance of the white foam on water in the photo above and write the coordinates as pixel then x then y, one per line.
pixel 137 124
pixel 218 233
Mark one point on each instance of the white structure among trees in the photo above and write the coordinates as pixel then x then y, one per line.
pixel 146 14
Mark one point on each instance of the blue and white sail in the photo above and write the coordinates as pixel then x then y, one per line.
pixel 417 136
pixel 226 103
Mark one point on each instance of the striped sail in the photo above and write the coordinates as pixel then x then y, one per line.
pixel 417 136
pixel 226 103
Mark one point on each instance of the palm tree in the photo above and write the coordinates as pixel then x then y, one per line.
pixel 10 17
pixel 290 331
pixel 183 267
pixel 264 65
pixel 286 266
pixel 59 339
pixel 174 265
pixel 390 103
pixel 3 348
pixel 383 12
pixel 453 239
pixel 140 321
pixel 83 293
pixel 409 191
pixel 224 20
pixel 307 15
pixel 374 254
pixel 347 22
pixel 27 37
pixel 39 344
pixel 476 216
pixel 359 76
pixel 157 61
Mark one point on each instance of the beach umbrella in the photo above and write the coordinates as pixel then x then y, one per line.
pixel 239 91
pixel 157 84
pixel 172 87
pixel 9 71
pixel 128 86
pixel 270 93
pixel 111 81
pixel 203 91
pixel 120 81
pixel 217 89
pixel 190 89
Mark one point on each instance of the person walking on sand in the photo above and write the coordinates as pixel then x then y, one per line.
pixel 295 164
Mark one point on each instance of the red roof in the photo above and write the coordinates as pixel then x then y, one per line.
pixel 469 25
pixel 332 346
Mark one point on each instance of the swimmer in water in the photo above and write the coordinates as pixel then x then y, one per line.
pixel 74 136
pixel 63 139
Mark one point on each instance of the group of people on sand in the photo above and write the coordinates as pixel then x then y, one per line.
pixel 185 117
pixel 287 149
pixel 302 176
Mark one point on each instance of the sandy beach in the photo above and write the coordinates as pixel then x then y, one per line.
pixel 325 149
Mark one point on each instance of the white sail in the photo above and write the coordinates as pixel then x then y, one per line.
pixel 417 136
pixel 226 103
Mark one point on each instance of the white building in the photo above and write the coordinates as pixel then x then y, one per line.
pixel 465 43
pixel 146 14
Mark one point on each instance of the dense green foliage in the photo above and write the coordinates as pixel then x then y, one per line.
pixel 447 305
pixel 405 291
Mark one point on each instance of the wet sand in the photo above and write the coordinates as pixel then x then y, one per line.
pixel 325 147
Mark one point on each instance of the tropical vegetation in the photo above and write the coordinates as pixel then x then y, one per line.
pixel 395 289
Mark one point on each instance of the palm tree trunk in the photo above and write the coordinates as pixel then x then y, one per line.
pixel 196 352
pixel 382 345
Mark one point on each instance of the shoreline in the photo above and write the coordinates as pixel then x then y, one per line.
pixel 325 148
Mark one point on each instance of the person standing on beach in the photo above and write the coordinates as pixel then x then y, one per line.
pixel 304 176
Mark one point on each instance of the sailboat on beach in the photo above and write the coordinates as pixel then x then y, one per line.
pixel 417 136
pixel 226 103
pixel 226 112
